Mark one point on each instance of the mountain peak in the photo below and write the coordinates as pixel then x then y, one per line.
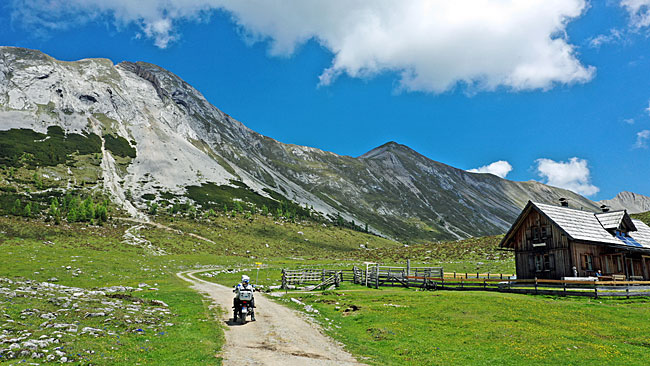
pixel 632 202
pixel 390 146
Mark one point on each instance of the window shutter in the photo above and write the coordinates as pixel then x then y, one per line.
pixel 583 261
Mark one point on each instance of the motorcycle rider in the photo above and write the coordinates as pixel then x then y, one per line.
pixel 244 285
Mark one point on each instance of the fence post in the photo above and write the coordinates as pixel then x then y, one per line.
pixel 536 286
pixel 454 274
pixel 377 276
pixel 477 277
pixel 488 275
pixel 500 276
pixel 465 276
pixel 627 291
pixel 284 279
pixel 408 267
pixel 323 276
pixel 595 291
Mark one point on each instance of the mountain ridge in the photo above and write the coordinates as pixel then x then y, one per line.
pixel 182 140
pixel 632 202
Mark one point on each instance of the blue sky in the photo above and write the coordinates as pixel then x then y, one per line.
pixel 558 89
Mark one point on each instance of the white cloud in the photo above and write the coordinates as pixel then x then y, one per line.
pixel 499 168
pixel 629 121
pixel 573 175
pixel 648 108
pixel 642 139
pixel 434 45
pixel 614 36
pixel 639 12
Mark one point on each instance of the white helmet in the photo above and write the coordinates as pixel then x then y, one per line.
pixel 245 279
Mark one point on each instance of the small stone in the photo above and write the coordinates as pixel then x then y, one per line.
pixel 159 303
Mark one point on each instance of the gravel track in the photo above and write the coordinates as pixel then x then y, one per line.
pixel 280 336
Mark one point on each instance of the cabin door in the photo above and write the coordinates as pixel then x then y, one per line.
pixel 634 268
pixel 630 268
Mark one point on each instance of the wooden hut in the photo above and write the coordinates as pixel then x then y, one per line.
pixel 552 242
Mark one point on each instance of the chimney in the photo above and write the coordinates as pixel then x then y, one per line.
pixel 605 208
pixel 564 202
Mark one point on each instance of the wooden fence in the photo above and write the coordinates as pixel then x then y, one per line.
pixel 434 278
pixel 376 276
pixel 315 276
pixel 545 287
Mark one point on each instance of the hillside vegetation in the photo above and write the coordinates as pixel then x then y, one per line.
pixel 644 216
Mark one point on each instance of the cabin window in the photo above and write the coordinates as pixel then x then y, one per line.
pixel 535 233
pixel 539 263
pixel 619 264
pixel 544 232
pixel 544 262
pixel 587 262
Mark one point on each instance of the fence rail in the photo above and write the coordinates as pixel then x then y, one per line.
pixel 434 278
pixel 546 287
pixel 314 276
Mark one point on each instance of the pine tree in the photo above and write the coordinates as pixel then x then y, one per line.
pixel 153 208
pixel 72 215
pixel 339 220
pixel 17 208
pixel 101 214
pixel 28 210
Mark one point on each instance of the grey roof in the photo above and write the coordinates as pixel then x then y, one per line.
pixel 610 220
pixel 584 225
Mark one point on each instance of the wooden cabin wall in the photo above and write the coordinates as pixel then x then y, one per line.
pixel 580 249
pixel 556 246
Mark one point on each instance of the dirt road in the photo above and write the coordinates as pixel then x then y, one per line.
pixel 280 336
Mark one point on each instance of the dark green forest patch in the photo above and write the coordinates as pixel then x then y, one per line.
pixel 210 195
pixel 119 146
pixel 19 147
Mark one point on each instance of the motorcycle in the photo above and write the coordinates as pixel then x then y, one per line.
pixel 244 307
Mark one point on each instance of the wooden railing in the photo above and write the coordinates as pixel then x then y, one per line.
pixel 314 276
pixel 377 276
pixel 546 287
pixel 435 278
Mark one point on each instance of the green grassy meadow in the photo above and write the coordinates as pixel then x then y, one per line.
pixel 389 326
pixel 397 326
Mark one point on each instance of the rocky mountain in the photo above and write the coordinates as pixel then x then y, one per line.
pixel 142 135
pixel 632 202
